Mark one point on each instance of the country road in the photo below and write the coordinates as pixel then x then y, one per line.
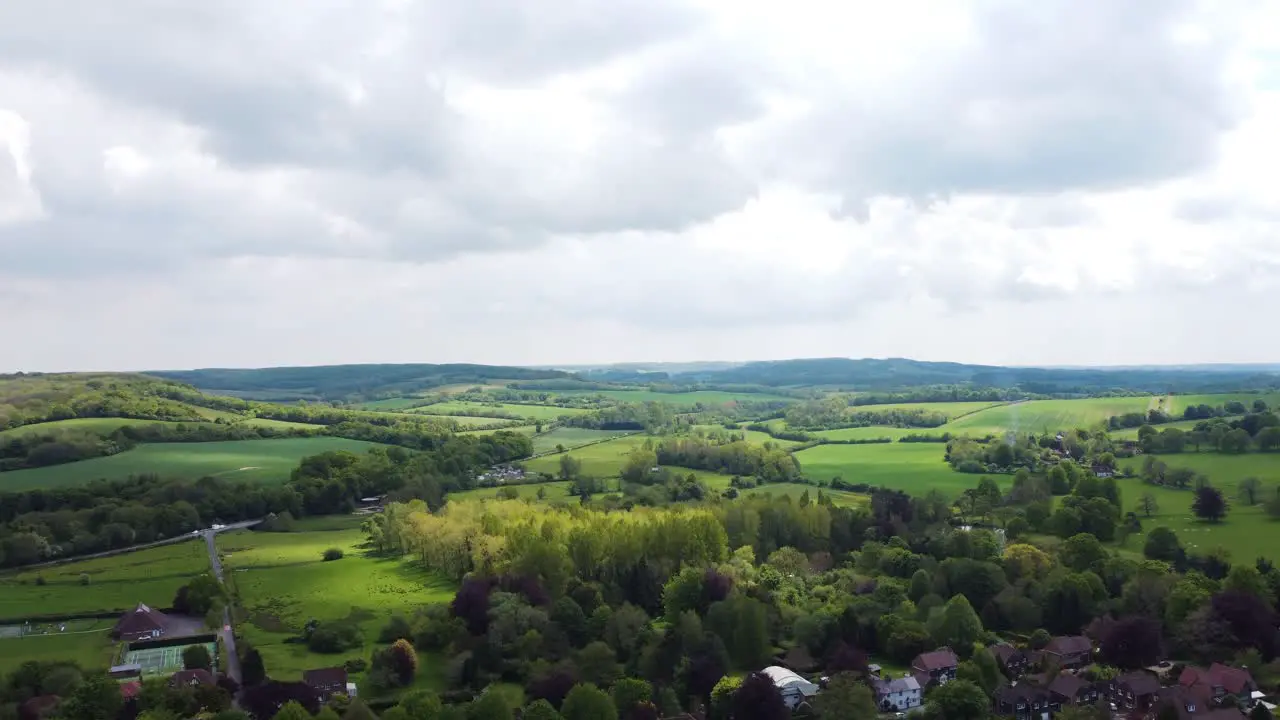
pixel 227 634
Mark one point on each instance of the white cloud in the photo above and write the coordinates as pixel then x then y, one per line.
pixel 298 182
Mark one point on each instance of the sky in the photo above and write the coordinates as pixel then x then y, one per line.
pixel 237 183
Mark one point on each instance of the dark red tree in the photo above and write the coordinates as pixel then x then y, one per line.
pixel 757 698
pixel 1131 643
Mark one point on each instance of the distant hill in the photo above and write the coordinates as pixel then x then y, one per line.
pixel 346 382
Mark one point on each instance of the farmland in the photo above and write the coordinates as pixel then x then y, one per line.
pixel 115 583
pixel 600 460
pixel 684 399
pixel 1176 404
pixel 1239 534
pixel 570 437
pixel 264 461
pixel 916 468
pixel 1223 470
pixel 1183 425
pixel 1042 415
pixel 465 407
pixel 90 649
pixel 869 433
pixel 282 583
pixel 950 409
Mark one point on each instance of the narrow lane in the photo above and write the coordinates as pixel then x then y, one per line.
pixel 227 634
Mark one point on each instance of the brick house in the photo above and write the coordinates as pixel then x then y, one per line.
pixel 935 668
pixel 1069 651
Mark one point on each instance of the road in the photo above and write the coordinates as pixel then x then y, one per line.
pixel 142 546
pixel 227 634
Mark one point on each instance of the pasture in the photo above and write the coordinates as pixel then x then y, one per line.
pixel 600 460
pixel 1046 415
pixel 915 468
pixel 870 433
pixel 116 583
pixel 1224 471
pixel 392 404
pixel 685 399
pixel 796 490
pixel 530 412
pixel 104 426
pixel 260 461
pixel 571 437
pixel 1239 533
pixel 1183 425
pixel 951 409
pixel 282 582
pixel 1176 404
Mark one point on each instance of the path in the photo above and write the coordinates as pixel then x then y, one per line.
pixel 141 546
pixel 228 636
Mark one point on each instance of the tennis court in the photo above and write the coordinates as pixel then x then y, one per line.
pixel 161 660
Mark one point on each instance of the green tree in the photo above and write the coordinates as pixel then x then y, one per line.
pixel 1147 505
pixel 845 697
pixel 327 713
pixel 196 657
pixel 1247 579
pixel 588 702
pixel 421 705
pixel 1209 504
pixel 252 669
pixel 540 710
pixel 570 467
pixel 490 705
pixel 722 697
pixel 958 700
pixel 292 710
pixel 630 692
pixel 1162 544
pixel 921 585
pixel 956 625
pixel 357 710
pixel 598 664
pixel 97 698
pixel 1082 552
pixel 1249 490
pixel 982 669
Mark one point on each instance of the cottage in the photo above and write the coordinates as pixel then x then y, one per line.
pixel 897 695
pixel 1135 691
pixel 1069 689
pixel 141 623
pixel 1012 661
pixel 1219 681
pixel 937 667
pixel 794 689
pixel 1103 471
pixel 1023 701
pixel 327 681
pixel 1071 651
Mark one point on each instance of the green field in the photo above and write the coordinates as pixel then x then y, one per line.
pixel 88 649
pixel 117 583
pixel 264 461
pixel 913 467
pixel 532 412
pixel 282 583
pixel 522 429
pixel 1176 404
pixel 688 399
pixel 795 490
pixel 96 425
pixel 570 437
pixel 1183 425
pixel 950 409
pixel 875 431
pixel 1223 471
pixel 1242 533
pixel 600 460
pixel 392 404
pixel 1046 415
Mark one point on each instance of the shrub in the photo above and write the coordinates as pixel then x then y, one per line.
pixel 332 554
pixel 355 665
pixel 84 578
pixel 41 581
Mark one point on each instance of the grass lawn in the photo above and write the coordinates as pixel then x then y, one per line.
pixel 282 583
pixel 570 437
pixel 116 584
pixel 265 461
pixel 687 399
pixel 913 467
pixel 89 649
pixel 1047 415
pixel 532 412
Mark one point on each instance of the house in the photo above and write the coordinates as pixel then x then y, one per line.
pixel 1023 701
pixel 1193 704
pixel 191 678
pixel 898 694
pixel 937 667
pixel 1012 661
pixel 128 671
pixel 795 690
pixel 327 681
pixel 1069 689
pixel 1103 471
pixel 1219 681
pixel 1135 691
pixel 141 623
pixel 1070 651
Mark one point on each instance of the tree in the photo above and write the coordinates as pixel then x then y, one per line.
pixel 332 554
pixel 97 698
pixel 845 697
pixel 627 693
pixel 1147 504
pixel 588 702
pixel 956 625
pixel 196 657
pixel 402 660
pixel 1132 642
pixel 958 700
pixel 757 698
pixel 252 670
pixel 292 710
pixel 491 705
pixel 198 596
pixel 598 664
pixel 357 710
pixel 540 710
pixel 1162 544
pixel 570 467
pixel 1260 712
pixel 1082 552
pixel 1248 490
pixel 1209 504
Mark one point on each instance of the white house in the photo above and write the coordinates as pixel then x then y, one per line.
pixel 794 688
pixel 898 694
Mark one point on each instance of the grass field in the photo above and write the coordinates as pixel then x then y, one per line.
pixel 89 649
pixel 795 490
pixel 282 583
pixel 1242 533
pixel 688 399
pixel 391 404
pixel 522 429
pixel 950 409
pixel 97 425
pixel 1176 404
pixel 914 467
pixel 875 431
pixel 264 461
pixel 1041 415
pixel 1183 425
pixel 532 412
pixel 600 460
pixel 116 583
pixel 1223 471
pixel 570 437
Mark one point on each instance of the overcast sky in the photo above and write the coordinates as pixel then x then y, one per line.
pixel 248 183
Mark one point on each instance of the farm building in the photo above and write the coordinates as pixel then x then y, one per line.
pixel 795 689
pixel 141 623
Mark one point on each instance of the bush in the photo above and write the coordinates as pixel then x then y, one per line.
pixel 355 665
pixel 84 578
pixel 332 554
pixel 41 581
pixel 334 637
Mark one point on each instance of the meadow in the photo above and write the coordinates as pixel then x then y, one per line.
pixel 1224 471
pixel 686 399
pixel 1183 425
pixel 871 433
pixel 916 468
pixel 282 582
pixel 1046 415
pixel 92 649
pixel 950 409
pixel 1176 404
pixel 1239 533
pixel 465 407
pixel 116 584
pixel 95 425
pixel 570 437
pixel 599 460
pixel 261 461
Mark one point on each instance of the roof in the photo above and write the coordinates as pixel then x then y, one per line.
pixel 130 689
pixel 188 677
pixel 903 684
pixel 784 678
pixel 1069 645
pixel 1019 691
pixel 1004 652
pixel 1068 685
pixel 325 677
pixel 1233 680
pixel 936 660
pixel 1140 683
pixel 140 620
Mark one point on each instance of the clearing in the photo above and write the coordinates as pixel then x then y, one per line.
pixel 271 460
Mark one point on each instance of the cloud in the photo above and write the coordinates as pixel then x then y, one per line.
pixel 415 179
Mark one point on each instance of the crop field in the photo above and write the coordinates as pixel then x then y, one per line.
pixel 600 460
pixel 687 399
pixel 1046 415
pixel 916 468
pixel 89 649
pixel 1183 425
pixel 1239 533
pixel 950 409
pixel 571 437
pixel 532 412
pixel 116 583
pixel 282 583
pixel 263 461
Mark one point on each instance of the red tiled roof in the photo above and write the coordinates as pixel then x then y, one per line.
pixel 936 660
pixel 130 689
pixel 1069 645
pixel 1233 680
pixel 142 620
